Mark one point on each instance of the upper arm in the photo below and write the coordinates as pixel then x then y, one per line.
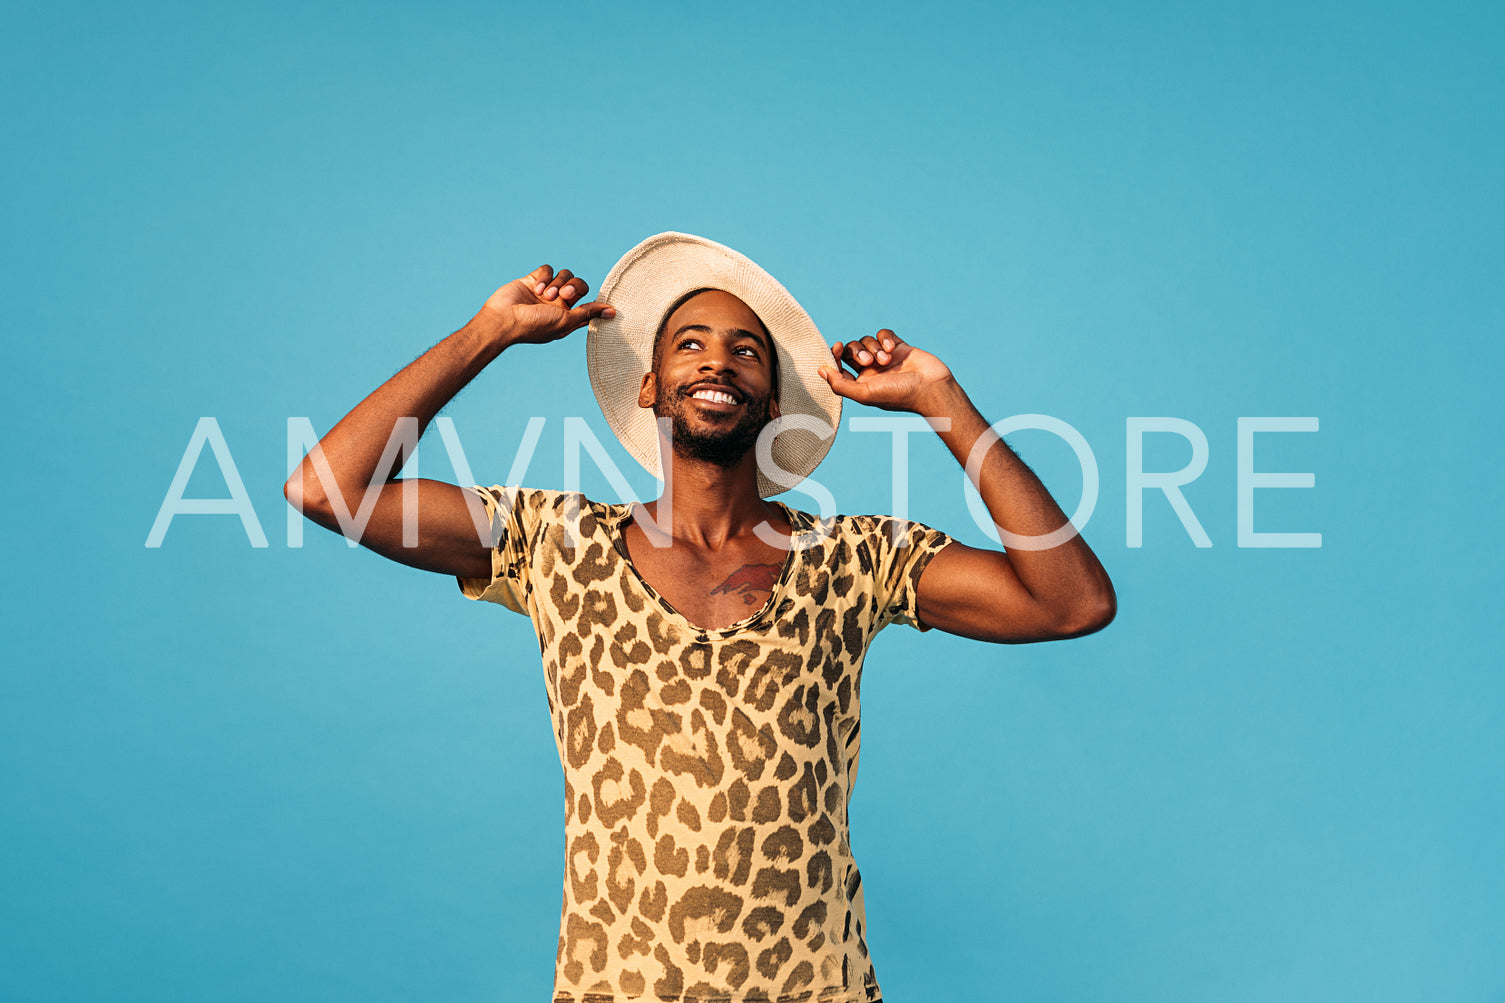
pixel 978 594
pixel 442 527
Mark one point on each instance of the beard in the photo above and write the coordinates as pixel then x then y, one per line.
pixel 724 446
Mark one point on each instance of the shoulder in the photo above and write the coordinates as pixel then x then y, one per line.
pixel 874 530
pixel 541 501
pixel 529 514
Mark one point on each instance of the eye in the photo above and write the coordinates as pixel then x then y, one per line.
pixel 690 343
pixel 749 351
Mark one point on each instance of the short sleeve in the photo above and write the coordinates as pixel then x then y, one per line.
pixel 512 514
pixel 902 550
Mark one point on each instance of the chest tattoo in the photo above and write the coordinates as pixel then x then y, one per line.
pixel 749 580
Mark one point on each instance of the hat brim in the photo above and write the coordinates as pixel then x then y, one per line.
pixel 642 288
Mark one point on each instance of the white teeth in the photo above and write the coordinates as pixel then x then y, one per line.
pixel 714 395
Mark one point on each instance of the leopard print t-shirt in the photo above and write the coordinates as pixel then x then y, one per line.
pixel 706 772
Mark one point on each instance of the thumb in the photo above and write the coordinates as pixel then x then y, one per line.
pixel 843 385
pixel 587 312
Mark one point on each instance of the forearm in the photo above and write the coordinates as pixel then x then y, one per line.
pixel 1066 577
pixel 355 448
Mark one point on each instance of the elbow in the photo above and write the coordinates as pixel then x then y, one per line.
pixel 305 493
pixel 1092 614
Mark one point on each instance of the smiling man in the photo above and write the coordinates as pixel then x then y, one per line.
pixel 702 652
pixel 749 401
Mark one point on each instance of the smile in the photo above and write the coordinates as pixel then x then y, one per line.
pixel 714 396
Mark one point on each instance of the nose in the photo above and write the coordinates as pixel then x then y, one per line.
pixel 717 357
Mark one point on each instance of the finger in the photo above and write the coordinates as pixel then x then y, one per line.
pixel 538 279
pixel 882 346
pixel 551 291
pixel 574 289
pixel 564 276
pixel 857 355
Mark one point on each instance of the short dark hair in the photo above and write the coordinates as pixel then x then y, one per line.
pixel 663 328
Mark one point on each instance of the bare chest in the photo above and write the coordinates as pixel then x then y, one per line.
pixel 711 589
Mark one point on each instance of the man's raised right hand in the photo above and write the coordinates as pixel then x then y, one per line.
pixel 537 308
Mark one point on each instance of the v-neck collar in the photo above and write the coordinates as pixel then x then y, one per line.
pixel 800 524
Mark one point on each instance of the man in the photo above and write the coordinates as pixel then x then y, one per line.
pixel 703 652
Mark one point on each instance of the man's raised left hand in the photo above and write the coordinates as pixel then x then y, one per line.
pixel 889 374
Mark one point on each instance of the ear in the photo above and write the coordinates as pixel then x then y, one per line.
pixel 773 408
pixel 648 395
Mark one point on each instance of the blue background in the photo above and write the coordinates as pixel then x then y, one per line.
pixel 305 774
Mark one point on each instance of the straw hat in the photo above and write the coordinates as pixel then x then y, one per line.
pixel 643 287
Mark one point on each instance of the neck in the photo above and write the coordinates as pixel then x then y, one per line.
pixel 708 504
